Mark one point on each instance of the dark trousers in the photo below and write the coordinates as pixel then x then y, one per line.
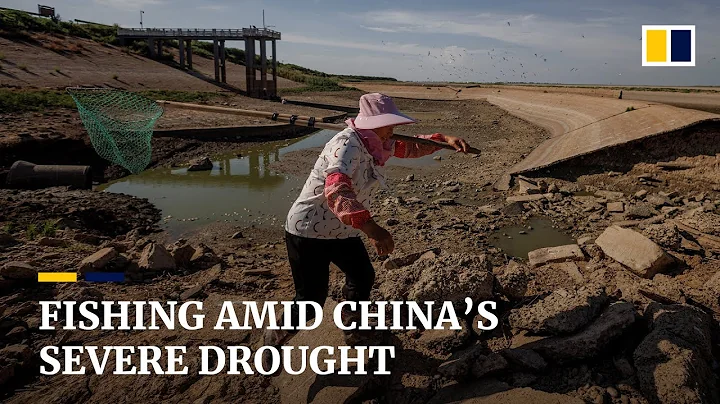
pixel 310 260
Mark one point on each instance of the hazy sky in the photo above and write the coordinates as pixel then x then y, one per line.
pixel 573 41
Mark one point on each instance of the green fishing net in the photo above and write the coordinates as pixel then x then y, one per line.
pixel 120 124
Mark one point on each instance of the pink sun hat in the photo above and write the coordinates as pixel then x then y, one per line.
pixel 378 110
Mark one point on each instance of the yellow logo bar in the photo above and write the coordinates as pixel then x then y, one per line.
pixel 657 45
pixel 57 276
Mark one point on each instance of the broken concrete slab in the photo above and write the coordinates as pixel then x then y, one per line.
pixel 487 365
pixel 525 198
pixel 573 271
pixel 588 343
pixel 640 211
pixel 503 183
pixel 98 260
pixel 658 200
pixel 673 361
pixel 528 187
pixel 155 257
pixel 635 251
pixel 513 280
pixel 542 256
pixel 610 195
pixel 616 207
pixel 561 312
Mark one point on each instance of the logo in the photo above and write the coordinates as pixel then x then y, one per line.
pixel 668 45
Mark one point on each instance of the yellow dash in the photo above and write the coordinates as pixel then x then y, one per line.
pixel 656 45
pixel 57 276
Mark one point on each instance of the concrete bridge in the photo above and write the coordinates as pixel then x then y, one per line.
pixel 261 88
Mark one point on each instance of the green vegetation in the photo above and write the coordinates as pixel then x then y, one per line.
pixel 38 100
pixel 49 228
pixel 115 76
pixel 9 227
pixel 16 24
pixel 31 232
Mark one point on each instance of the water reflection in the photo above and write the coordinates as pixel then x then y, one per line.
pixel 242 190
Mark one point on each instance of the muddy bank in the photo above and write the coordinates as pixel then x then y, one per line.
pixel 594 327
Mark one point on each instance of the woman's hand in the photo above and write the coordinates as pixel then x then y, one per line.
pixel 458 143
pixel 379 237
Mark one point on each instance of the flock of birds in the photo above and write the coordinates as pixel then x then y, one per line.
pixel 460 65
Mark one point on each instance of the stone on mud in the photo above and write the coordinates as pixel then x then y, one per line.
pixel 200 164
pixel 563 253
pixel 513 281
pixel 155 257
pixel 182 254
pixel 524 359
pixel 452 277
pixel 19 271
pixel 98 260
pixel 525 198
pixel 674 361
pixel 592 340
pixel 610 195
pixel 666 235
pixel 52 242
pixel 445 341
pixel 561 312
pixel 635 251
pixel 640 211
pixel 486 365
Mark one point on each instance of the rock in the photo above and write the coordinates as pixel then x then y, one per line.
pixel 98 260
pixel 460 368
pixel 592 340
pixel 155 257
pixel 236 236
pixel 658 200
pixel 525 198
pixel 6 239
pixel 19 271
pixel 445 341
pixel 87 239
pixel 612 392
pixel 437 158
pixel 524 359
pixel 635 251
pixel 18 353
pixel 201 164
pixel 610 195
pixel 514 280
pixel 420 215
pixel 640 194
pixel 182 254
pixel 191 292
pixel 485 365
pixel 616 207
pixel 502 183
pixel 561 312
pixel 640 211
pixel 563 253
pixel 52 242
pixel 573 271
pixel 527 187
pixel 399 262
pixel 586 240
pixel 17 334
pixel 674 360
pixel 666 235
pixel 487 210
pixel 553 188
pixel 413 200
pixel 392 222
pixel 410 177
pixel 454 188
pixel 444 201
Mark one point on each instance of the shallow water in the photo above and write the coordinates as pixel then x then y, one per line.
pixel 242 190
pixel 543 234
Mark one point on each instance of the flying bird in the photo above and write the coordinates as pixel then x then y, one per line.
pixel 508 23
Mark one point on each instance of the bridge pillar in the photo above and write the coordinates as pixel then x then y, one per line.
pixel 216 59
pixel 223 73
pixel 151 47
pixel 250 66
pixel 159 48
pixel 263 69
pixel 274 71
pixel 188 47
pixel 181 51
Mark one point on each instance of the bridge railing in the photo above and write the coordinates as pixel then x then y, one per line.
pixel 198 32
